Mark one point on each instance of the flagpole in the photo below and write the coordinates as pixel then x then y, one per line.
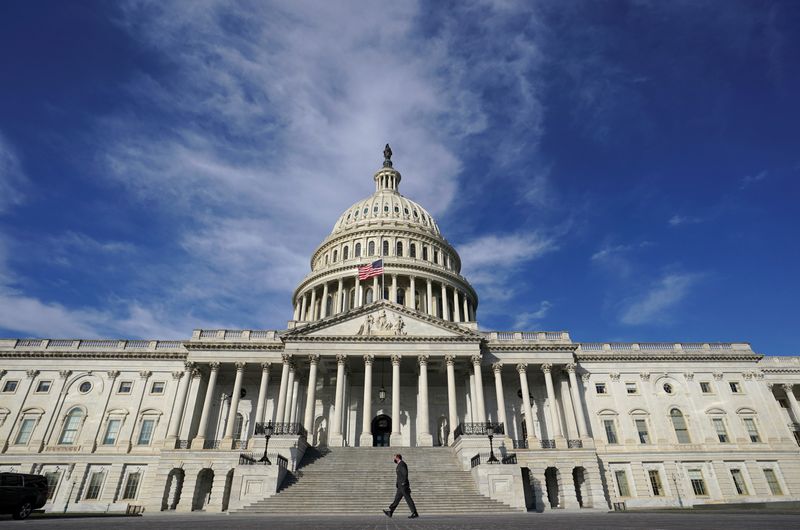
pixel 383 268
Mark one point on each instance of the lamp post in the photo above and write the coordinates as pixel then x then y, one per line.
pixel 268 430
pixel 490 431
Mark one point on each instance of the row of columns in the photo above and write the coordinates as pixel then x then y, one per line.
pixel 793 404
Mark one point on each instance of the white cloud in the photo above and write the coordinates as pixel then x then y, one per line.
pixel 12 177
pixel 749 180
pixel 678 220
pixel 527 320
pixel 658 302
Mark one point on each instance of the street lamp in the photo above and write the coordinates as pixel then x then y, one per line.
pixel 490 431
pixel 268 430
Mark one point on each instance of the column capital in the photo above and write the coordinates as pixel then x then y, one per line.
pixel 614 376
pixel 689 376
pixel 369 359
pixel 145 374
pixel 62 373
pixel 30 374
pixel 450 359
pixel 213 366
pixel 748 375
pixel 547 368
pixel 313 358
pixel 787 387
pixel 422 360
pixel 497 367
pixel 341 358
pixel 570 367
pixel 175 375
pixel 476 359
pixel 717 376
pixel 644 376
pixel 189 365
pixel 196 373
pixel 522 368
pixel 265 366
pixel 240 366
pixel 396 360
pixel 585 378
pixel 286 357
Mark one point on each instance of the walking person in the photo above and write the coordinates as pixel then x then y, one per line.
pixel 403 489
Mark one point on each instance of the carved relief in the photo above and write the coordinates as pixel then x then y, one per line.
pixel 381 326
pixel 614 376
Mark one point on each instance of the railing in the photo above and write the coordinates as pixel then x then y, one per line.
pixel 240 444
pixel 210 444
pixel 478 429
pixel 181 444
pixel 510 458
pixel 30 343
pixel 575 444
pixel 278 429
pixel 548 444
pixel 281 461
pixel 520 444
pixel 99 344
pixel 475 461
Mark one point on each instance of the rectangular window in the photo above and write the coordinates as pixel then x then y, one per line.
pixel 698 484
pixel 752 430
pixel 641 428
pixel 52 478
pixel 10 385
pixel 95 483
pixel 146 432
pixel 43 387
pixel 124 387
pixel 630 388
pixel 705 387
pixel 131 486
pixel 655 482
pixel 735 387
pixel 738 481
pixel 722 433
pixel 112 431
pixel 622 483
pixel 772 481
pixel 157 387
pixel 25 431
pixel 600 388
pixel 611 431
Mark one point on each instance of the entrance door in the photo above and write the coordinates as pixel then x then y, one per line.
pixel 381 430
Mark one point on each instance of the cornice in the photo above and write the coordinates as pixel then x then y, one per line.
pixel 500 347
pixel 392 338
pixel 34 354
pixel 229 345
pixel 665 356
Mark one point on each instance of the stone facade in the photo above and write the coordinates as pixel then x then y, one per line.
pixel 399 360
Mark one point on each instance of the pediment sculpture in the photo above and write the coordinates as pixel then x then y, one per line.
pixel 382 326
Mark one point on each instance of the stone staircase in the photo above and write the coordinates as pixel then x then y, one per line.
pixel 362 481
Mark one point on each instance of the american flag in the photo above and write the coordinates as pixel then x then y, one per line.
pixel 368 271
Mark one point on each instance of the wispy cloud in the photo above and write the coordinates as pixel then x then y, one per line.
pixel 531 319
pixel 657 303
pixel 12 176
pixel 678 220
pixel 749 180
pixel 617 259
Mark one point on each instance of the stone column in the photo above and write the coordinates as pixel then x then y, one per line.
pixel 430 297
pixel 336 438
pixel 311 395
pixel 473 414
pixel 497 368
pixel 452 411
pixel 287 360
pixel 297 306
pixel 183 390
pixel 376 294
pixel 339 306
pixel 198 441
pixel 553 408
pixel 395 440
pixel 304 309
pixel 411 301
pixel 577 404
pixel 393 292
pixel 466 310
pixel 287 411
pixel 294 410
pixel 481 412
pixel 357 294
pixel 237 391
pixel 366 416
pixel 792 401
pixel 323 306
pixel 445 306
pixel 262 392
pixel 313 308
pixel 424 438
pixel 533 442
pixel 456 310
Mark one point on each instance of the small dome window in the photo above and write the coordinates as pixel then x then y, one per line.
pixel 345 253
pixel 416 214
pixel 366 211
pixel 396 209
pixel 371 248
pixel 348 216
pixel 85 387
pixel 355 214
pixel 385 207
pixel 405 210
pixel 668 388
pixel 357 252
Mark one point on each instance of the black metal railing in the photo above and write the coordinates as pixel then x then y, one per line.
pixel 548 444
pixel 210 444
pixel 478 429
pixel 247 459
pixel 520 444
pixel 240 444
pixel 575 444
pixel 281 429
pixel 475 461
pixel 181 444
pixel 509 459
pixel 281 461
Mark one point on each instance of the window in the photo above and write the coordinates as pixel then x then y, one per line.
pixel 425 253
pixel 736 388
pixel 157 387
pixel 10 386
pixel 399 248
pixel 641 428
pixel 85 387
pixel 131 486
pixel 630 388
pixel 667 388
pixel 655 482
pixel 357 252
pixel 412 250
pixel 43 387
pixel 679 424
pixel 772 482
pixel 622 483
pixel 705 387
pixel 346 253
pixel 375 209
pixel 600 388
pixel 71 425
pixel 386 208
pixel 25 431
pixel 611 431
pixel 738 481
pixel 112 431
pixel 124 387
pixel 435 256
pixel 698 484
pixel 752 430
pixel 95 483
pixel 385 248
pixel 722 433
pixel 335 255
pixel 237 426
pixel 371 248
pixel 146 432
pixel 52 478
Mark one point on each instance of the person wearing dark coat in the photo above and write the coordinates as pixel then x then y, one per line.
pixel 403 489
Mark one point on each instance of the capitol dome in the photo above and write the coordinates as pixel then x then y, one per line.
pixel 422 270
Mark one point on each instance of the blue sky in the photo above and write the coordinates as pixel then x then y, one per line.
pixel 621 170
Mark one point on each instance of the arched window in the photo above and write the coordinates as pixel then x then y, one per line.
pixel 329 306
pixel 326 259
pixel 358 250
pixel 371 248
pixel 237 426
pixel 436 256
pixel 335 255
pixel 401 296
pixel 679 424
pixel 69 433
pixel 425 253
pixel 412 250
pixel 369 297
pixel 385 248
pixel 399 248
pixel 345 253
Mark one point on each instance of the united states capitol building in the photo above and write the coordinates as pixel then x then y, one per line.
pixel 396 363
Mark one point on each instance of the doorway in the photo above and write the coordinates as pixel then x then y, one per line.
pixel 381 430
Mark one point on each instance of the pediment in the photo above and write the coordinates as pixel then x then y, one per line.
pixel 383 320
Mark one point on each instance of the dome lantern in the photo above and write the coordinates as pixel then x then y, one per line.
pixel 387 178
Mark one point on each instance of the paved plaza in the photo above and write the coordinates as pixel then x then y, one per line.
pixel 728 519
